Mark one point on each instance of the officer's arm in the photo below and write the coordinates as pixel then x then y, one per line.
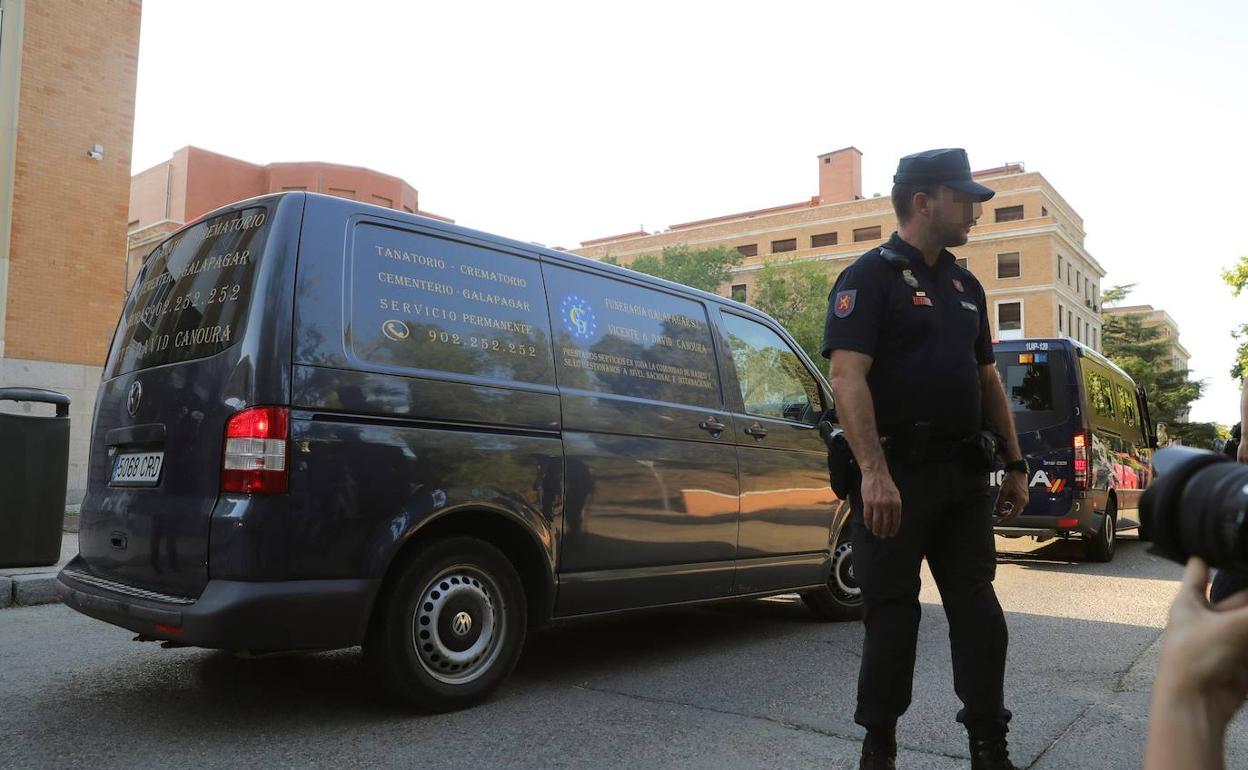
pixel 997 410
pixel 855 408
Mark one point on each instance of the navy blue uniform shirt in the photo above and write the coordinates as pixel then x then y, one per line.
pixel 927 341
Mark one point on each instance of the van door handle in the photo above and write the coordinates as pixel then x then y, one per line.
pixel 712 426
pixel 757 431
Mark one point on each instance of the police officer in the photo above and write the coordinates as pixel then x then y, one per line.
pixel 913 373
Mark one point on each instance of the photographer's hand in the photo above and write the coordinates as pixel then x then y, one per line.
pixel 1202 676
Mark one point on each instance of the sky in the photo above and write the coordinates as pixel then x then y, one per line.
pixel 559 122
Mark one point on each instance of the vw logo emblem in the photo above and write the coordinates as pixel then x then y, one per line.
pixel 461 624
pixel 132 400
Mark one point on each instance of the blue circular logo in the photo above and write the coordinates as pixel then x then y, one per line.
pixel 578 318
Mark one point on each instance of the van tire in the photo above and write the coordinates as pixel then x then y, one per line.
pixel 1100 546
pixel 841 599
pixel 450 627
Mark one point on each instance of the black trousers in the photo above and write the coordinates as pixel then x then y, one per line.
pixel 947 518
pixel 1227 582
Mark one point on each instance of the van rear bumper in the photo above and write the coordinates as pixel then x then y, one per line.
pixel 230 614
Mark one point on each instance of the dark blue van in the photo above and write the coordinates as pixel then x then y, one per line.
pixel 325 424
pixel 1085 430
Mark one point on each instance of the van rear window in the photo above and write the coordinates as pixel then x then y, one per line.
pixel 190 299
pixel 1037 387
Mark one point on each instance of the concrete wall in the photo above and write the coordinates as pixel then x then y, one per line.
pixel 78 382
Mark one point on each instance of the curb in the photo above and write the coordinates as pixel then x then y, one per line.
pixel 28 590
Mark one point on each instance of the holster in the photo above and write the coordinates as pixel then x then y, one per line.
pixel 843 471
pixel 980 450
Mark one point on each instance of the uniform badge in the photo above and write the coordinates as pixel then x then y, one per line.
pixel 958 285
pixel 844 303
pixel 971 306
pixel 922 301
pixel 909 278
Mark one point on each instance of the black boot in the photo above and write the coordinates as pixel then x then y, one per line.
pixel 991 754
pixel 879 750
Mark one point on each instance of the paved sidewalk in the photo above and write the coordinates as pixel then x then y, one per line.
pixel 24 586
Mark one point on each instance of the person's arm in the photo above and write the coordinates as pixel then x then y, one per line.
pixel 1013 495
pixel 1202 677
pixel 1243 422
pixel 881 502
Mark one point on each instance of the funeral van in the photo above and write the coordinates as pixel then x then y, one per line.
pixel 1084 427
pixel 324 424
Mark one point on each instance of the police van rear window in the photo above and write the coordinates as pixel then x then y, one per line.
pixel 191 297
pixel 1037 387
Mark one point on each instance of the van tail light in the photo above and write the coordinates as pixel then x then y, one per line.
pixel 255 451
pixel 1081 460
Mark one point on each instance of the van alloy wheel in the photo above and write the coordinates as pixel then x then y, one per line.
pixel 841 581
pixel 459 628
pixel 449 625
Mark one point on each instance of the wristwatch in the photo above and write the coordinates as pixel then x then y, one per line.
pixel 1018 465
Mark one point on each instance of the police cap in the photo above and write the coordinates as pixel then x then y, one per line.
pixel 949 167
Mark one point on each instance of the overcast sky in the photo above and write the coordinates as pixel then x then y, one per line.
pixel 560 122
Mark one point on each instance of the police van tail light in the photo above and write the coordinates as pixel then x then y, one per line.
pixel 256 451
pixel 1081 461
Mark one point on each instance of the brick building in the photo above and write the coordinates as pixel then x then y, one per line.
pixel 1027 249
pixel 67 81
pixel 195 181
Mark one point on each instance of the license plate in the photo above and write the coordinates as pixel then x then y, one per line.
pixel 137 469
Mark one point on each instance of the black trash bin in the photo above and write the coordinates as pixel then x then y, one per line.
pixel 34 465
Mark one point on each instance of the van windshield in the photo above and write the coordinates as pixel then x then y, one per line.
pixel 1038 388
pixel 191 297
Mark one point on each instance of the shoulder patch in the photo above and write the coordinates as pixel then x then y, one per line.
pixel 843 305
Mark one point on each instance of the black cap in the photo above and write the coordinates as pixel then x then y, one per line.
pixel 949 167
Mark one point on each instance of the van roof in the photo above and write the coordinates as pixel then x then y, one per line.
pixel 454 229
pixel 1078 347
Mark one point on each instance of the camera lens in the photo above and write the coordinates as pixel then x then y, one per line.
pixel 1198 506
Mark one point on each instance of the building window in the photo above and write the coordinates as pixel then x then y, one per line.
pixel 1059 267
pixel 962 263
pixel 1008 265
pixel 1079 329
pixel 867 234
pixel 748 250
pixel 738 292
pixel 1010 320
pixel 1009 214
pixel 1070 323
pixel 1060 327
pixel 342 192
pixel 788 244
pixel 1044 212
pixel 822 239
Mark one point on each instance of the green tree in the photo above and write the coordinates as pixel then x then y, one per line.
pixel 705 269
pixel 1237 278
pixel 796 295
pixel 1143 353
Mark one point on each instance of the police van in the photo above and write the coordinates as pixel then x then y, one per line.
pixel 1084 427
pixel 323 424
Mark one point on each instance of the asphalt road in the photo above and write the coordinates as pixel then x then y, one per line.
pixel 755 684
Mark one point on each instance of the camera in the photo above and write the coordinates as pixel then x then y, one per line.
pixel 1197 506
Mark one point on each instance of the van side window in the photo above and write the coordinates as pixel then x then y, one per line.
pixel 1126 406
pixel 1102 394
pixel 620 338
pixel 774 382
pixel 427 303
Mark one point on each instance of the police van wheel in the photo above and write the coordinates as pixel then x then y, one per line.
pixel 841 599
pixel 450 628
pixel 1100 546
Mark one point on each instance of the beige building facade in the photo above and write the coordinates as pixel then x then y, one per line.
pixel 67 85
pixel 1027 249
pixel 1167 328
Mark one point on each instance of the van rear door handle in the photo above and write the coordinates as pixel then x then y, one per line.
pixel 757 431
pixel 712 426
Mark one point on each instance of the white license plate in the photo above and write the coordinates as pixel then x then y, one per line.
pixel 137 469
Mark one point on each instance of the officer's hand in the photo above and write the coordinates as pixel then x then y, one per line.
pixel 881 503
pixel 1012 498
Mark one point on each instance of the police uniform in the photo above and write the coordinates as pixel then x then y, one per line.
pixel 926 329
